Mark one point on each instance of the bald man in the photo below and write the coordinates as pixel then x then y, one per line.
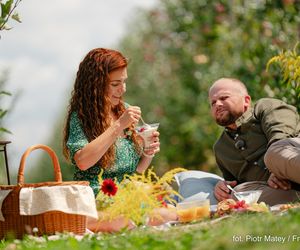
pixel 248 133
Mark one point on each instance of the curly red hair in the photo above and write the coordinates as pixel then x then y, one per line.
pixel 90 99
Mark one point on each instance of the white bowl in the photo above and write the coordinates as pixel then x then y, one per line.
pixel 249 197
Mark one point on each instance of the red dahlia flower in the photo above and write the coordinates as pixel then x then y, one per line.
pixel 108 187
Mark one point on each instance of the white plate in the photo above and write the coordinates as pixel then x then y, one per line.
pixel 275 208
pixel 213 208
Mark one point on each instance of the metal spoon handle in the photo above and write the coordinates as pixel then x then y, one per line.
pixel 230 188
pixel 234 192
pixel 147 125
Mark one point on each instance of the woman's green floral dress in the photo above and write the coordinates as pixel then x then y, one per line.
pixel 126 160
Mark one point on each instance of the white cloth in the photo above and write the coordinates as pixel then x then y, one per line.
pixel 3 195
pixel 192 182
pixel 71 199
pixel 201 196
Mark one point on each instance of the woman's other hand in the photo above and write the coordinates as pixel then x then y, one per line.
pixel 154 147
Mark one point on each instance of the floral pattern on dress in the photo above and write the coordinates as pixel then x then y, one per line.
pixel 126 160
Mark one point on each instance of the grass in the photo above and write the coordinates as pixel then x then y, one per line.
pixel 243 231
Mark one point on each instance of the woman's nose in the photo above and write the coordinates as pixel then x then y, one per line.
pixel 122 89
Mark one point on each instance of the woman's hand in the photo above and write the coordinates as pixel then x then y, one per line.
pixel 131 115
pixel 154 146
pixel 148 153
pixel 222 192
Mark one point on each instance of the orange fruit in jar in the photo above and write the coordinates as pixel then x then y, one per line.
pixel 187 215
pixel 202 212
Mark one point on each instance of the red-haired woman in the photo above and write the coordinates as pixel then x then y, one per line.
pixel 99 131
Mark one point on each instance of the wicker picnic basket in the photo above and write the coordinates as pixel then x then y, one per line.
pixel 47 223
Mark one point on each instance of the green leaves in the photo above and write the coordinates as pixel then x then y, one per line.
pixel 289 64
pixel 3 93
pixel 2 113
pixel 16 17
pixel 2 129
pixel 6 8
pixel 7 12
pixel 180 48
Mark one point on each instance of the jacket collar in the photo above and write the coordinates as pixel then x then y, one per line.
pixel 245 117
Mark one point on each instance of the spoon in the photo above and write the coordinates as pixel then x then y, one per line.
pixel 236 194
pixel 144 123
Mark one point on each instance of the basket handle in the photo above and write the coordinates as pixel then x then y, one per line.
pixel 50 152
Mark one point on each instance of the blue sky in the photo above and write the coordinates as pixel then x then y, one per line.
pixel 43 53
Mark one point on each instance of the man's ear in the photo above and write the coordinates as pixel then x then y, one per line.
pixel 247 100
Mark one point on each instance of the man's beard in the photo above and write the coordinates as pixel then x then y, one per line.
pixel 228 119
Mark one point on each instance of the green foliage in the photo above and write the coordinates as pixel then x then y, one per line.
pixel 7 12
pixel 206 235
pixel 179 48
pixel 3 112
pixel 289 63
pixel 43 170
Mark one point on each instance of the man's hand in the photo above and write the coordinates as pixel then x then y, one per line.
pixel 275 182
pixel 222 192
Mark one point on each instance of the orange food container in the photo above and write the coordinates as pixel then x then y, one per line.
pixel 193 210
